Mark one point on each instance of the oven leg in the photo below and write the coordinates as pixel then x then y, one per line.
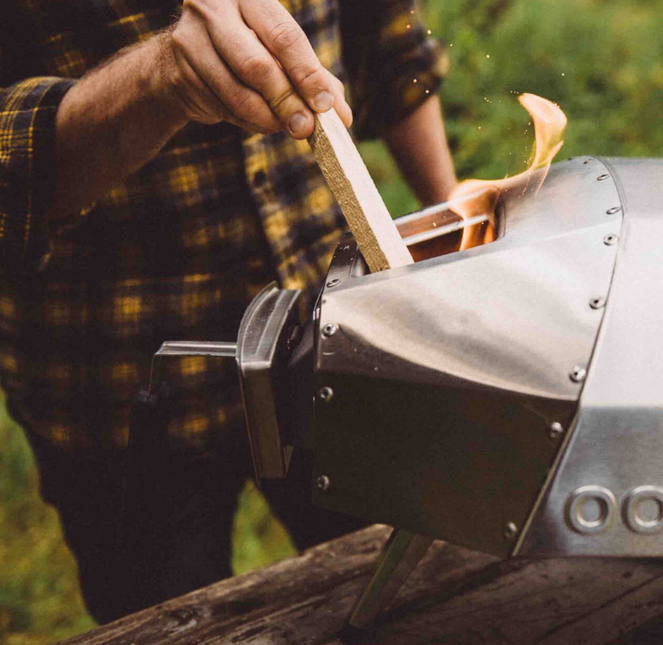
pixel 399 557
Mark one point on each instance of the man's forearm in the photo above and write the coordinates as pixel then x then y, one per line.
pixel 111 123
pixel 419 146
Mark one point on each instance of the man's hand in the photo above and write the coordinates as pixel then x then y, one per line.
pixel 242 61
pixel 248 62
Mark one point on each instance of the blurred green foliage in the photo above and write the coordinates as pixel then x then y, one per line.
pixel 600 60
pixel 258 538
pixel 39 597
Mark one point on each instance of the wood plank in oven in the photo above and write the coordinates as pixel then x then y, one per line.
pixel 361 203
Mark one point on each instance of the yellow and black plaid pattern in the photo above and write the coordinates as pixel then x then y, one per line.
pixel 178 250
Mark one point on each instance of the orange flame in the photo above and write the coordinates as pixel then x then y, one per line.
pixel 477 197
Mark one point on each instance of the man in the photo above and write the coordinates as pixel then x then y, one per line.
pixel 149 196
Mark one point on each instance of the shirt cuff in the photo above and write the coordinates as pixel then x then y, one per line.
pixel 27 169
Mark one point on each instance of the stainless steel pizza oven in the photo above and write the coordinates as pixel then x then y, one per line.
pixel 507 397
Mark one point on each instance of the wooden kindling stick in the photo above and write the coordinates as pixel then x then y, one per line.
pixel 361 203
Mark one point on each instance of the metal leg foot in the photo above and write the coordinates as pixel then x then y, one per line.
pixel 400 556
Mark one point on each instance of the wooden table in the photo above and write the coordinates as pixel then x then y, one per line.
pixel 454 596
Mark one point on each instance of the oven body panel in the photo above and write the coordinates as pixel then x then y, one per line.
pixel 440 383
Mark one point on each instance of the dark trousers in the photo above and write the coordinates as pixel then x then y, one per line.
pixel 176 518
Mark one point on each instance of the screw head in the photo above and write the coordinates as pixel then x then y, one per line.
pixel 329 329
pixel 333 283
pixel 323 483
pixel 602 177
pixel 556 430
pixel 326 394
pixel 613 210
pixel 510 531
pixel 597 303
pixel 578 374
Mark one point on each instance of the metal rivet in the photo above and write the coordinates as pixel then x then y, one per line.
pixel 326 394
pixel 602 177
pixel 323 483
pixel 329 329
pixel 610 239
pixel 333 283
pixel 510 531
pixel 597 303
pixel 613 210
pixel 556 430
pixel 578 374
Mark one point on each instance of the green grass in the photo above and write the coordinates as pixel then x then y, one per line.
pixel 601 60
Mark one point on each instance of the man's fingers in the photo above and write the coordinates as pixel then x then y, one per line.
pixel 210 76
pixel 287 42
pixel 253 64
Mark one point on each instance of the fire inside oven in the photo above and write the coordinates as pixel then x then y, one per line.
pixel 473 215
pixel 438 230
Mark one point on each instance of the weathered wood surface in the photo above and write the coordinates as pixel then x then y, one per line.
pixel 361 203
pixel 455 596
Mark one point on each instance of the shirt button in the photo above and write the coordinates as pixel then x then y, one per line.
pixel 259 178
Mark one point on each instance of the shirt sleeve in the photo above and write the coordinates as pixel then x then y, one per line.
pixel 27 169
pixel 393 64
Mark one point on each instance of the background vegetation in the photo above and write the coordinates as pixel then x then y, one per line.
pixel 600 60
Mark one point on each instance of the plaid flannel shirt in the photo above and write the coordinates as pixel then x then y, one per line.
pixel 178 249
